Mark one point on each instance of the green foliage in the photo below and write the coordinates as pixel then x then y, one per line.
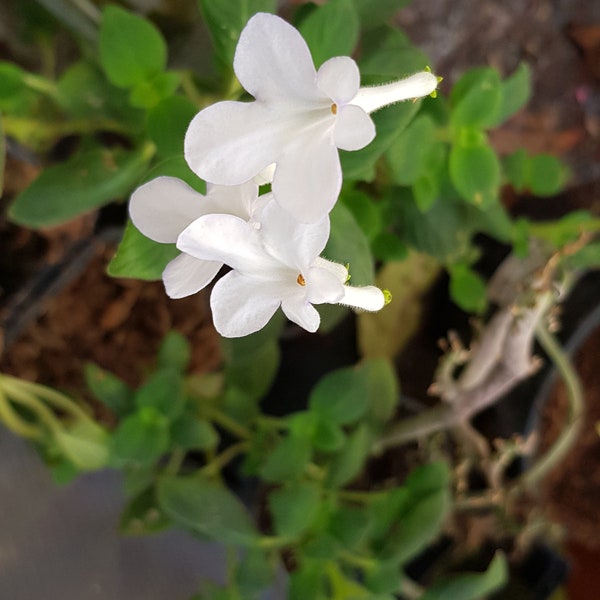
pixel 206 508
pixel 293 508
pixel 542 174
pixel 87 181
pixel 288 460
pixel 167 124
pixel 467 288
pixel 131 49
pixel 109 389
pixel 226 19
pixel 331 30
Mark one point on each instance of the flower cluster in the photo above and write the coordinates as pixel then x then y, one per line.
pixel 288 136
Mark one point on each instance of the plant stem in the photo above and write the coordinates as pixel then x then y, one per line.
pixel 226 422
pixel 223 459
pixel 12 420
pixel 568 436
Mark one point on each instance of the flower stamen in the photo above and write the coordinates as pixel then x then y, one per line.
pixel 334 108
pixel 300 280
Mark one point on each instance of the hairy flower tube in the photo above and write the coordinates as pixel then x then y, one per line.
pixel 275 263
pixel 298 120
pixel 162 208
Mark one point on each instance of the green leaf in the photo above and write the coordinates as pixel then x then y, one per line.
pixel 546 175
pixel 388 53
pixel 467 288
pixel 191 434
pixel 206 508
pixel 377 12
pixel 13 81
pixel 515 167
pixel 476 99
pixel 384 577
pixel 288 460
pixel 350 460
pixel 387 246
pixel 340 396
pixel 109 389
pixel 176 166
pixel 515 92
pixel 85 182
pixel 475 172
pixel 383 391
pixel 471 586
pixel 349 525
pixel 348 245
pixel 407 156
pixel 252 372
pixel 139 257
pixel 364 210
pixel 174 352
pixel 140 439
pixel 307 582
pixel 84 444
pixel 586 258
pixel 132 50
pixel 331 30
pixel 294 507
pixel 327 436
pixel 168 122
pixel 141 516
pixel 163 392
pixel 254 573
pixel 226 19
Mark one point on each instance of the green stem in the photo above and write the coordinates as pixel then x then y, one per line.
pixel 12 420
pixel 175 461
pixel 273 542
pixel 356 496
pixel 569 434
pixel 226 422
pixel 223 459
pixel 362 562
pixel 23 397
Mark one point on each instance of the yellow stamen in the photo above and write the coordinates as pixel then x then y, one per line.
pixel 301 280
pixel 387 296
pixel 334 108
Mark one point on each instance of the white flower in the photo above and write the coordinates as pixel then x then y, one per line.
pixel 298 121
pixel 162 208
pixel 276 264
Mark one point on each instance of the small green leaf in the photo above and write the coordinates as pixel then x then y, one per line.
pixel 348 245
pixel 168 122
pixel 350 460
pixel 84 444
pixel 328 436
pixel 467 288
pixel 174 352
pixel 132 50
pixel 515 92
pixel 288 460
pixel 190 434
pixel 515 167
pixel 141 516
pixel 407 156
pixel 85 182
pixel 384 577
pixel 475 172
pixel 109 389
pixel 254 573
pixel 340 396
pixel 12 78
pixel 307 581
pixel 546 175
pixel 139 257
pixel 294 507
pixel 387 246
pixel 331 30
pixel 349 525
pixel 471 586
pixel 140 439
pixel 163 392
pixel 206 508
pixel 226 19
pixel 476 99
pixel 377 12
pixel 148 93
pixel 383 390
pixel 364 210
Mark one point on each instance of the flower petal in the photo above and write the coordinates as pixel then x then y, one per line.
pixel 273 62
pixel 294 244
pixel 242 305
pixel 323 286
pixel 230 142
pixel 339 78
pixel 162 208
pixel 239 200
pixel 308 177
pixel 297 309
pixel 416 86
pixel 340 271
pixel 227 239
pixel 369 297
pixel 354 128
pixel 186 275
